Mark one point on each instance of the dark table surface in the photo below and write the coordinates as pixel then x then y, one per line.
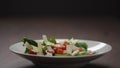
pixel 100 28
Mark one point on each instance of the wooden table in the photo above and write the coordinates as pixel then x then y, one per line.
pixel 100 28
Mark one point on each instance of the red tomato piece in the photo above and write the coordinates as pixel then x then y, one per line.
pixel 64 47
pixel 81 50
pixel 32 52
pixel 59 46
pixel 59 51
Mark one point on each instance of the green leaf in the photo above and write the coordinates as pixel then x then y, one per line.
pixel 44 48
pixel 82 54
pixel 52 40
pixel 81 45
pixel 26 50
pixel 23 40
pixel 71 38
pixel 43 43
pixel 31 42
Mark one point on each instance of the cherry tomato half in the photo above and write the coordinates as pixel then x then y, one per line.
pixel 59 51
pixel 32 52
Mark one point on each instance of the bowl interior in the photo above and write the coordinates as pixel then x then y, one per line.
pixel 96 46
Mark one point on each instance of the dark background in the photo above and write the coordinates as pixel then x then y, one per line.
pixel 84 19
pixel 59 7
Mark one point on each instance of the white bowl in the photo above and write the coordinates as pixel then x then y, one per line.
pixel 63 61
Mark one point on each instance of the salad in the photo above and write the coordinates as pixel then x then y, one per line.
pixel 52 47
